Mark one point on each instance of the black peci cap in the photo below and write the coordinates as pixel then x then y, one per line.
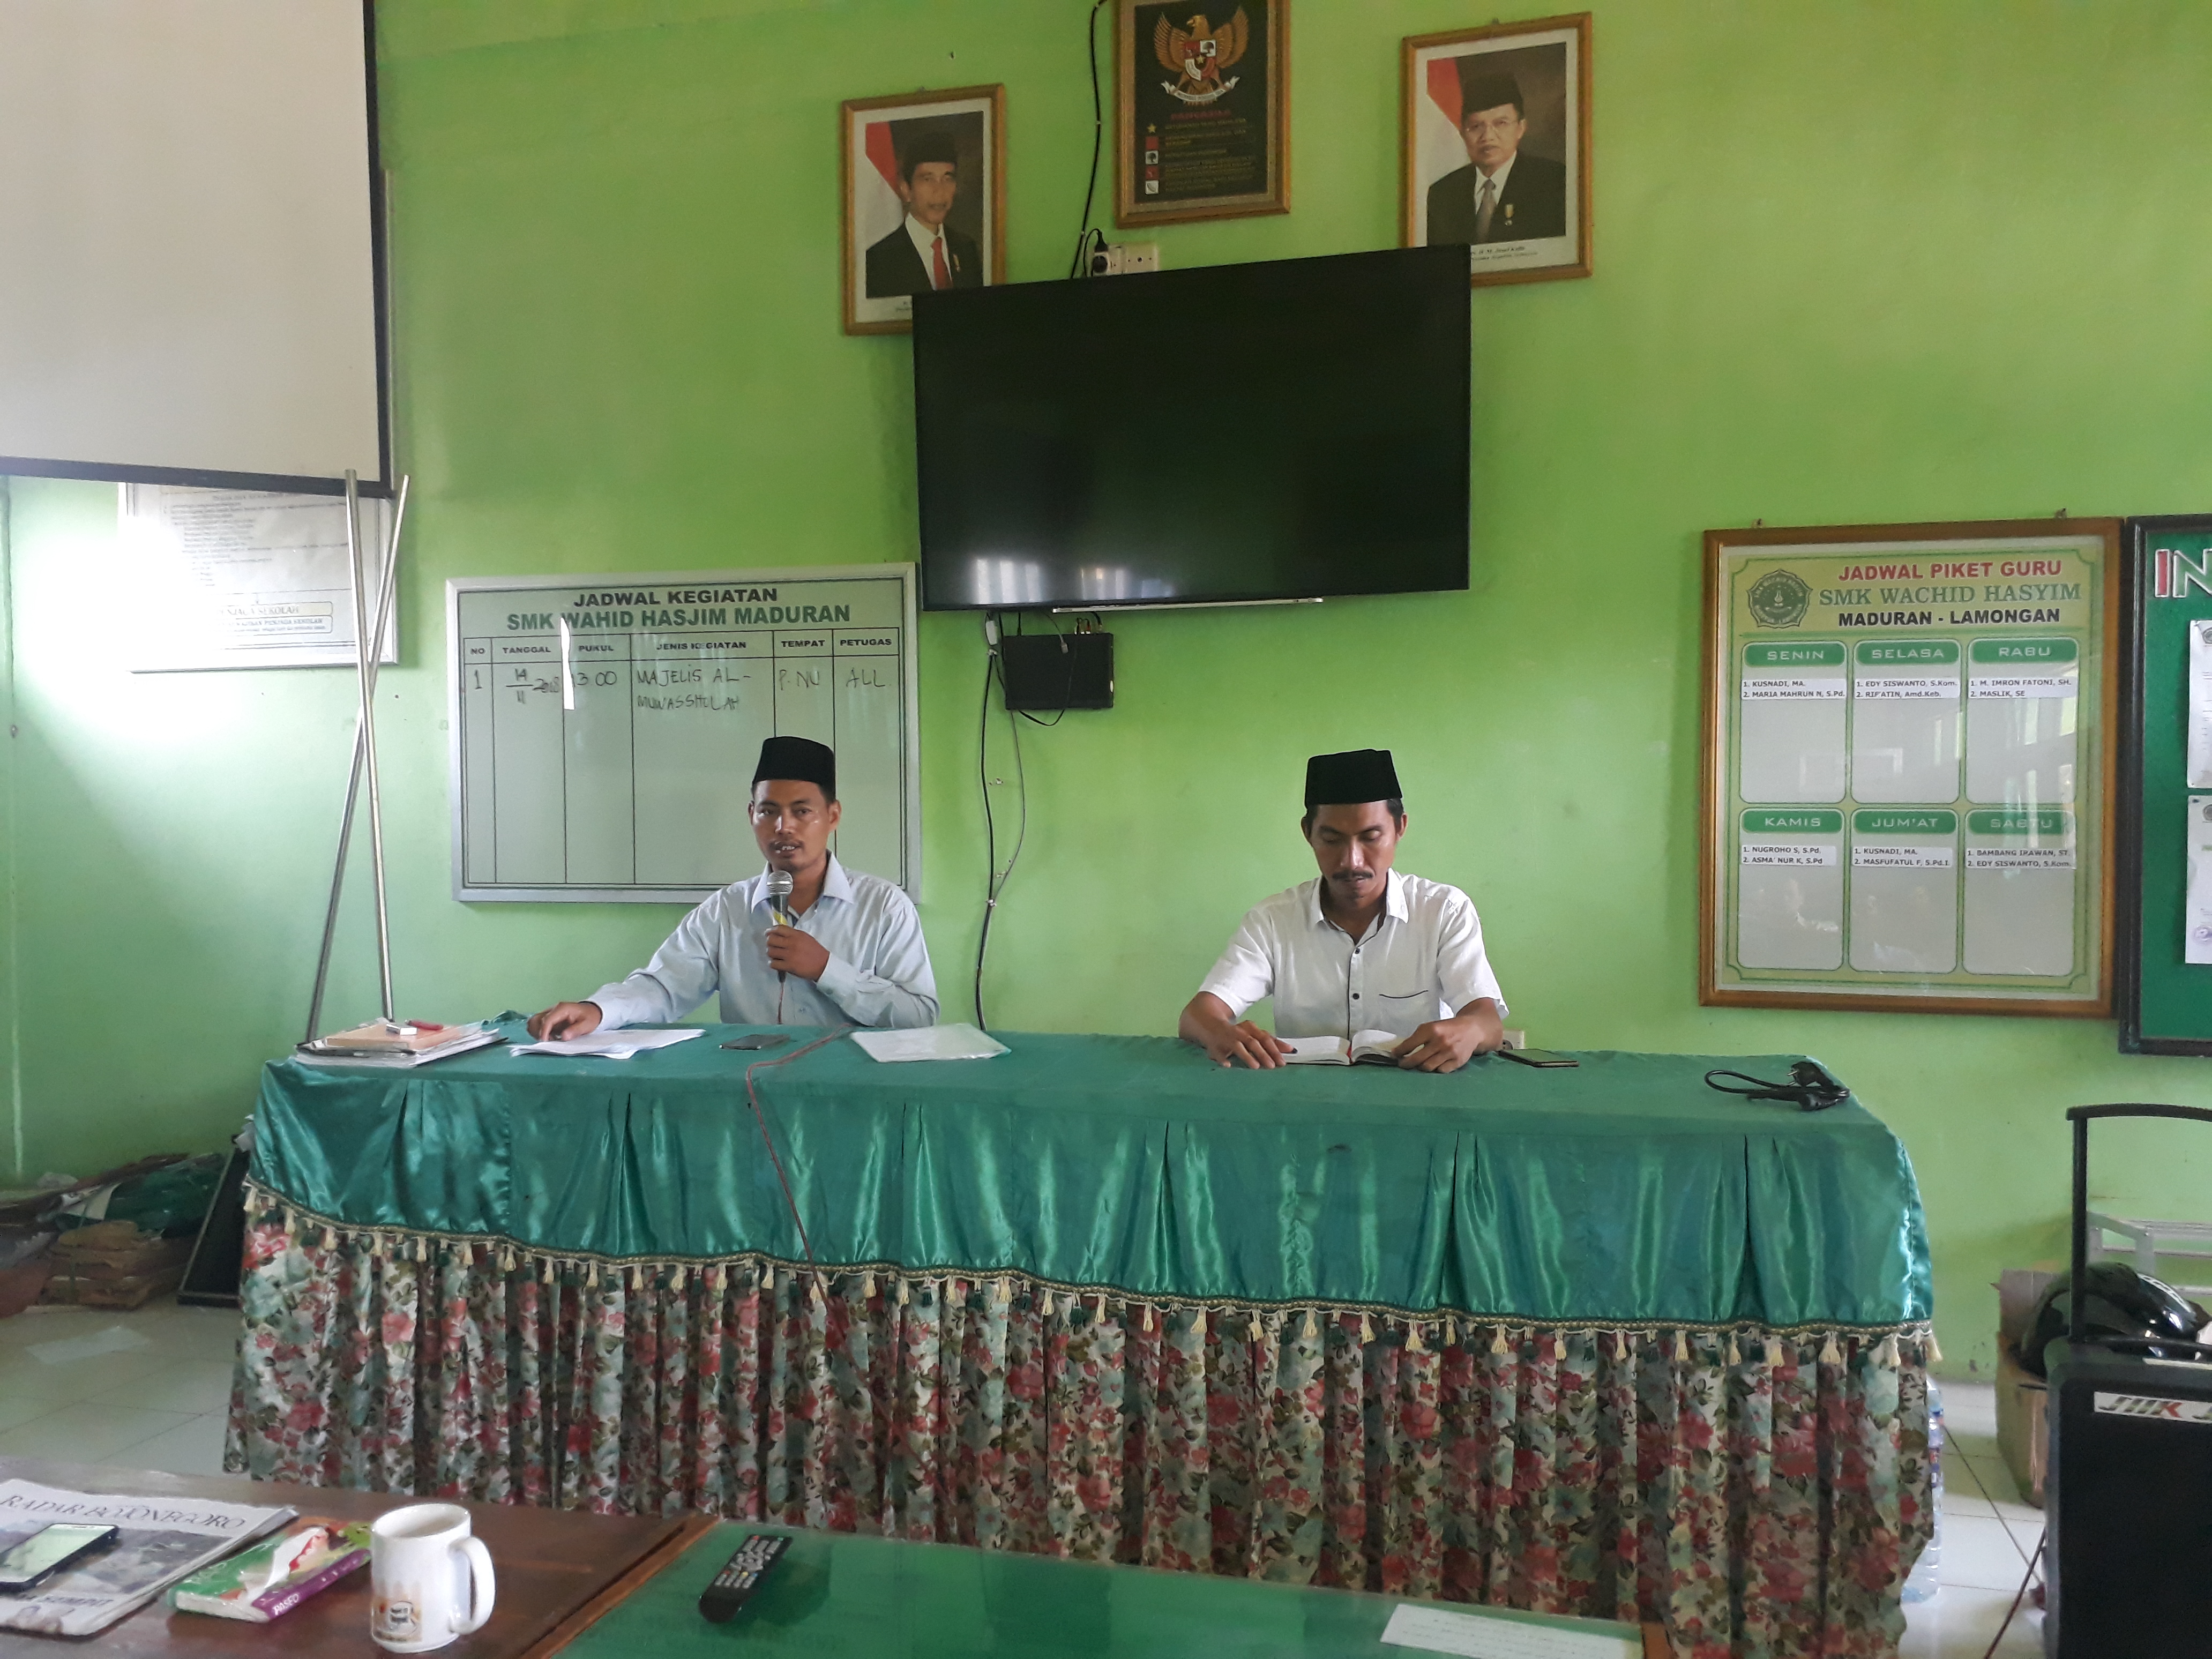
pixel 1351 778
pixel 1480 89
pixel 931 144
pixel 801 759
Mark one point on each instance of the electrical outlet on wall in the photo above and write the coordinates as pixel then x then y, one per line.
pixel 1124 259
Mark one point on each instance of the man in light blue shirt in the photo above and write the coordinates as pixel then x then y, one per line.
pixel 847 949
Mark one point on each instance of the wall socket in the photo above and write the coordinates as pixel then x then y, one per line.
pixel 1124 259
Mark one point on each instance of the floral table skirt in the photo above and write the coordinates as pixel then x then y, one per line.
pixel 1758 1493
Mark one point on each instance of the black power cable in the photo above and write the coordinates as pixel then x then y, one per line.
pixel 995 879
pixel 1097 142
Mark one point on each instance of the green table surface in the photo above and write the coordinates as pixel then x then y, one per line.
pixel 878 1598
pixel 1623 1190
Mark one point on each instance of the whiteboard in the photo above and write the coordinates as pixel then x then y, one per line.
pixel 243 579
pixel 190 290
pixel 605 728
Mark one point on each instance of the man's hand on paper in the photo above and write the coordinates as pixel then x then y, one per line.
pixel 565 1019
pixel 1446 1045
pixel 791 951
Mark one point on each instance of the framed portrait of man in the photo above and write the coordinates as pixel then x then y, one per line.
pixel 925 184
pixel 1496 148
pixel 1201 110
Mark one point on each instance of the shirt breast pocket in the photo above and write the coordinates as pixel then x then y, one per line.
pixel 1403 996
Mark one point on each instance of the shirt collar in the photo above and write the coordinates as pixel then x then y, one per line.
pixel 922 237
pixel 836 885
pixel 1394 901
pixel 1498 179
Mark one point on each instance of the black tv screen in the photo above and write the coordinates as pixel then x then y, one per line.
pixel 1286 431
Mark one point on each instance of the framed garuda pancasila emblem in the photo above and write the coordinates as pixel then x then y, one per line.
pixel 1202 110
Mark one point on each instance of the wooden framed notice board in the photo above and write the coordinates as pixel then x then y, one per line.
pixel 2164 974
pixel 1908 754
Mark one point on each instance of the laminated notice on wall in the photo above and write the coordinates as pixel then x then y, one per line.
pixel 2197 912
pixel 243 579
pixel 2200 706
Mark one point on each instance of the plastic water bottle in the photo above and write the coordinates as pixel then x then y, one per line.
pixel 1923 1584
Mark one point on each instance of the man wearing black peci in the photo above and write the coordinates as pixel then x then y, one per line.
pixel 925 253
pixel 1503 194
pixel 1362 947
pixel 837 948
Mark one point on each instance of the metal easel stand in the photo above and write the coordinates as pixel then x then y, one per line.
pixel 368 649
pixel 211 1274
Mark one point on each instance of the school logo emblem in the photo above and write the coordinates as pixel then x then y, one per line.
pixel 1197 54
pixel 1778 599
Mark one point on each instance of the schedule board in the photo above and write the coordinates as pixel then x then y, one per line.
pixel 2165 790
pixel 1908 738
pixel 605 728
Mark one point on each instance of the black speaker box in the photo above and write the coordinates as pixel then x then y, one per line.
pixel 2129 1558
pixel 1043 673
pixel 2127 1562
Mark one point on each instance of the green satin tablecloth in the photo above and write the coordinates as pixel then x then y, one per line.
pixel 1622 1191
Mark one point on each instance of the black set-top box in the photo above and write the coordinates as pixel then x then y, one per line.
pixel 1043 673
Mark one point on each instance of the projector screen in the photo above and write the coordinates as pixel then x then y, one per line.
pixel 192 287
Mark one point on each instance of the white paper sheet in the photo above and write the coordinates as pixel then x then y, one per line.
pixel 2200 705
pixel 1479 1636
pixel 611 1045
pixel 929 1043
pixel 2197 929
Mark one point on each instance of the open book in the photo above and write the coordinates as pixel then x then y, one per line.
pixel 1365 1049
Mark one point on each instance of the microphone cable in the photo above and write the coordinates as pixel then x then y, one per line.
pixel 768 1140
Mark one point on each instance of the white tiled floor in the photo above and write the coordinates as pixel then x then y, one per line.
pixel 1989 1537
pixel 158 1406
pixel 161 1406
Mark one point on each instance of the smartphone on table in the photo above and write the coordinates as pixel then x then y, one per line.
pixel 30 1563
pixel 1539 1057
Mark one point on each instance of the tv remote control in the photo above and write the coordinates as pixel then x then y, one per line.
pixel 741 1576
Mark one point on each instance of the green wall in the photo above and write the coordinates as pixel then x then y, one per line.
pixel 1869 262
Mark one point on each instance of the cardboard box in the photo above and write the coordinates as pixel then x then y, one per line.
pixel 114 1264
pixel 2023 1432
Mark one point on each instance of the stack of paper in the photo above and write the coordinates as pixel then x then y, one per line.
pixel 609 1045
pixel 930 1042
pixel 397 1045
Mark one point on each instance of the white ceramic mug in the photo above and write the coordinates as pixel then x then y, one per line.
pixel 430 1581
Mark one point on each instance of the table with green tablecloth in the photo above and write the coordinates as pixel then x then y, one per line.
pixel 1599 1341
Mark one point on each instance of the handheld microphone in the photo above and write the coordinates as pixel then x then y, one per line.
pixel 778 889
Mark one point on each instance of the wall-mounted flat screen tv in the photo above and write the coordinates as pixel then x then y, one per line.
pixel 1290 430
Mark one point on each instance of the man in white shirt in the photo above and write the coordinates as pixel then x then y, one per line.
pixel 1360 948
pixel 842 949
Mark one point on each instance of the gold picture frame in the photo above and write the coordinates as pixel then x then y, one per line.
pixel 1907 772
pixel 881 259
pixel 1536 79
pixel 1193 138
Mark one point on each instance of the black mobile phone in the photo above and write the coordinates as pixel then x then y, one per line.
pixel 1540 1057
pixel 759 1040
pixel 46 1551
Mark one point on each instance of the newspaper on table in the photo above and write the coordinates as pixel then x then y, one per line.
pixel 161 1538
